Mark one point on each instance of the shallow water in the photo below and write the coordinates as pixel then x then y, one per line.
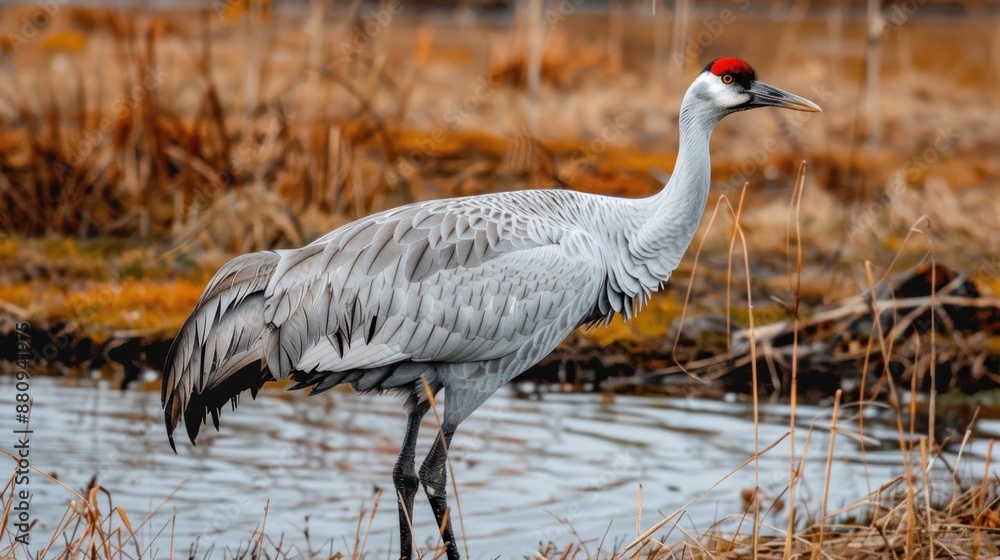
pixel 527 470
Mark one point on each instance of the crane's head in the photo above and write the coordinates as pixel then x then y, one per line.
pixel 728 85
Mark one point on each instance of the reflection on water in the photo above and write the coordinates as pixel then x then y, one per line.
pixel 527 470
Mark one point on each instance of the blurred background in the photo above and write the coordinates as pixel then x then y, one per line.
pixel 144 144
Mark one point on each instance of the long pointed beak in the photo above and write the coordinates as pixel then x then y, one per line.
pixel 764 95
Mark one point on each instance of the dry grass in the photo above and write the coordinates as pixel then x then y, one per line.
pixel 899 523
pixel 911 517
pixel 93 527
pixel 157 125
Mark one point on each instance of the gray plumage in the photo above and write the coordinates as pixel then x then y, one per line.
pixel 465 293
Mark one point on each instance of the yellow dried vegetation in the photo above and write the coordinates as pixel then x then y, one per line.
pixel 647 331
pixel 100 310
pixel 100 289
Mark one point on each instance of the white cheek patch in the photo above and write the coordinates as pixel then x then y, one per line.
pixel 722 94
pixel 725 95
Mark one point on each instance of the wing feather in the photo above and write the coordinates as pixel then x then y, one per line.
pixel 425 283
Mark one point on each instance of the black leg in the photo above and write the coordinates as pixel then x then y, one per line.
pixel 434 476
pixel 404 477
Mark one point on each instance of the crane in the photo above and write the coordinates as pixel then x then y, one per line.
pixel 461 294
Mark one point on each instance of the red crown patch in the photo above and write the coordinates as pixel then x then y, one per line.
pixel 734 66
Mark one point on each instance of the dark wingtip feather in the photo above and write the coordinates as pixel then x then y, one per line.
pixel 301 385
pixel 209 403
pixel 194 415
pixel 170 415
pixel 190 393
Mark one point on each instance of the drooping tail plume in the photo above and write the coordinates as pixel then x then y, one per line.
pixel 218 352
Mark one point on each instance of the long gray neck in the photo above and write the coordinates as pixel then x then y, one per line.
pixel 670 217
pixel 657 230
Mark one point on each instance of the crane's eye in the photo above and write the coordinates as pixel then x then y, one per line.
pixel 727 78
